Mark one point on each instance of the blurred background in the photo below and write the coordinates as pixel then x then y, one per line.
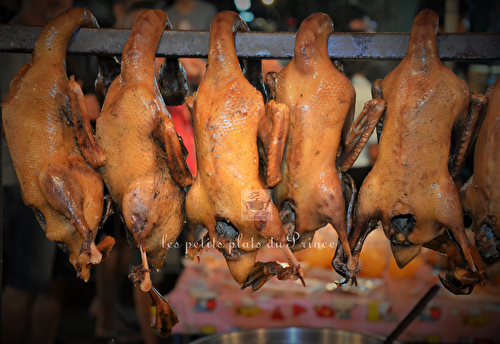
pixel 286 15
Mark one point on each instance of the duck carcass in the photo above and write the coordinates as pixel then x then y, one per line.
pixel 323 142
pixel 425 134
pixel 228 197
pixel 53 145
pixel 146 171
pixel 481 194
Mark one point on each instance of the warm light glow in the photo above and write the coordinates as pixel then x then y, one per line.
pixel 267 2
pixel 330 286
pixel 242 5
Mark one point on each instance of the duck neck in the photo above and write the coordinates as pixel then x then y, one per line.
pixel 55 36
pixel 222 52
pixel 422 48
pixel 311 43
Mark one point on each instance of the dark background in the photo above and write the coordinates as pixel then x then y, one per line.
pixel 286 15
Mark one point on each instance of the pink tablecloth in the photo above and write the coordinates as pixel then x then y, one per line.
pixel 207 300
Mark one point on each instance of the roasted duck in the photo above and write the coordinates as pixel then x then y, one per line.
pixel 481 194
pixel 323 141
pixel 146 171
pixel 53 146
pixel 410 189
pixel 228 197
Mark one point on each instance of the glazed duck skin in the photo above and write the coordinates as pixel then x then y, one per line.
pixel 410 189
pixel 481 194
pixel 227 112
pixel 53 146
pixel 146 171
pixel 323 141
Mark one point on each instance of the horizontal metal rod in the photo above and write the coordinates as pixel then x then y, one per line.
pixel 341 45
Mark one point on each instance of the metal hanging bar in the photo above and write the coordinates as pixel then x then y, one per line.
pixel 279 45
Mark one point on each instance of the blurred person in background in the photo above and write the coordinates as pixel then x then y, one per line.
pixel 192 15
pixel 126 12
pixel 461 17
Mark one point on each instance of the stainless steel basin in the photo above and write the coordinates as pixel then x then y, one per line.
pixel 291 335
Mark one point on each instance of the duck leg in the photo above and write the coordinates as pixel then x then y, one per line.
pixel 263 271
pixel 464 276
pixel 165 316
pixel 466 129
pixel 358 133
pixel 140 273
pixel 81 123
pixel 194 249
pixel 273 131
pixel 356 241
pixel 348 268
pixel 166 134
pixel 66 196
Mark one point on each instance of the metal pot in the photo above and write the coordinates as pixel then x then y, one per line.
pixel 291 335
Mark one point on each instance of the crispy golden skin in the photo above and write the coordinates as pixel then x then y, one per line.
pixel 322 142
pixel 53 146
pixel 481 194
pixel 146 171
pixel 227 113
pixel 410 189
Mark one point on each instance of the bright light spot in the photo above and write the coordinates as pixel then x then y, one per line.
pixel 247 16
pixel 267 2
pixel 330 286
pixel 242 5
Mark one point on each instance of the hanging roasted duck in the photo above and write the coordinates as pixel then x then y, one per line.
pixel 481 194
pixel 323 142
pixel 146 170
pixel 228 197
pixel 425 135
pixel 53 146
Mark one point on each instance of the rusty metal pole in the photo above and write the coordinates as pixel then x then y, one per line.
pixel 264 45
